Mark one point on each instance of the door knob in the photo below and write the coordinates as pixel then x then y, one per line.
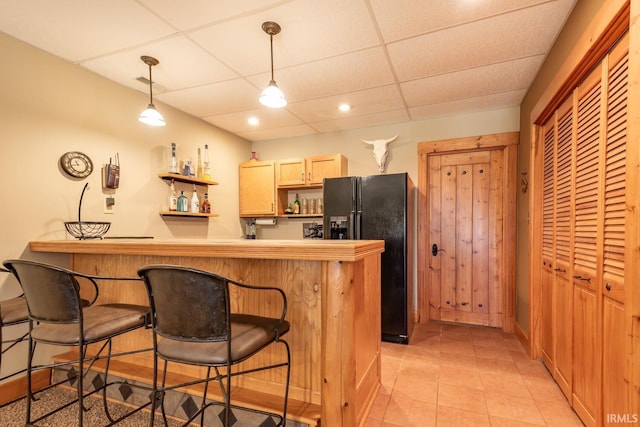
pixel 435 250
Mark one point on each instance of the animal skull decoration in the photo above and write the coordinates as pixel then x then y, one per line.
pixel 380 151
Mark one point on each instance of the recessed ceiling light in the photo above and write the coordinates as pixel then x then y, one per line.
pixel 253 121
pixel 344 107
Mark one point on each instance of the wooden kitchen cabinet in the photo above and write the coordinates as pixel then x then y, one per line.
pixel 257 188
pixel 310 171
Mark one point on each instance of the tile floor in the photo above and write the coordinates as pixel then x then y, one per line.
pixel 455 376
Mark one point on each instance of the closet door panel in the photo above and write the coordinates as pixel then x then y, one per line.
pixel 563 322
pixel 586 312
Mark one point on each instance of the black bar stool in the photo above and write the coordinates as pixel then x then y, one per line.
pixel 13 311
pixel 193 324
pixel 59 316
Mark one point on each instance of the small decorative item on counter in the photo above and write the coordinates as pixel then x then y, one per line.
pixel 173 166
pixel 251 230
pixel 289 209
pixel 205 206
pixel 305 207
pixel 173 198
pixel 253 156
pixel 199 166
pixel 183 203
pixel 296 205
pixel 312 206
pixel 206 173
pixel 195 201
pixel 320 206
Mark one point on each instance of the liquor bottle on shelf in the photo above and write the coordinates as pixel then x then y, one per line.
pixel 205 206
pixel 173 166
pixel 206 173
pixel 183 203
pixel 296 205
pixel 199 166
pixel 173 198
pixel 195 202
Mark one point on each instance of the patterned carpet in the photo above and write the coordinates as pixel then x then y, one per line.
pixel 13 414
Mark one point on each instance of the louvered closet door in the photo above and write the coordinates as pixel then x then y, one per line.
pixel 614 386
pixel 548 233
pixel 586 342
pixel 563 296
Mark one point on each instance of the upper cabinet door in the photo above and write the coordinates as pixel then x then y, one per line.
pixel 329 166
pixel 257 189
pixel 291 172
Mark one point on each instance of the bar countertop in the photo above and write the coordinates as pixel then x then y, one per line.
pixel 310 249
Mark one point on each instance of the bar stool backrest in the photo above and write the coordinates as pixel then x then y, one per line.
pixel 188 304
pixel 52 293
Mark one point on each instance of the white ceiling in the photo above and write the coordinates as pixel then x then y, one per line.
pixel 392 60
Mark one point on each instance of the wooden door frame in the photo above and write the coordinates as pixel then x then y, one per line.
pixel 508 143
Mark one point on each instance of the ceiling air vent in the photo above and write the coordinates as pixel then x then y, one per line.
pixel 156 87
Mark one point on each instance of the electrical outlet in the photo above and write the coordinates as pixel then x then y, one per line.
pixel 109 204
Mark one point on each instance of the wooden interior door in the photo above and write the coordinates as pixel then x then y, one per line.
pixel 465 219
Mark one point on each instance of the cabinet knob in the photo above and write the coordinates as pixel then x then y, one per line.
pixel 316 288
pixel 302 176
pixel 464 303
pixel 608 287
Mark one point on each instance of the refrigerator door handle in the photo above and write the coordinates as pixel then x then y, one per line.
pixel 352 221
pixel 358 227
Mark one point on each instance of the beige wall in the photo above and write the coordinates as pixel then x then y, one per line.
pixel 48 107
pixel 582 15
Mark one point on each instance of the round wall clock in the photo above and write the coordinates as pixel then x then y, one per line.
pixel 76 164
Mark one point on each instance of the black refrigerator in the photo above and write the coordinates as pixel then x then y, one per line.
pixel 379 207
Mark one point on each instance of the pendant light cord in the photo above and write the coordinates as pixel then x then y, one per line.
pixel 271 42
pixel 150 86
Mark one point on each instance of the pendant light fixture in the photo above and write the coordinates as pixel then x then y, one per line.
pixel 151 116
pixel 272 96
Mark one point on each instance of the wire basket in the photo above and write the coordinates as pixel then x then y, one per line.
pixel 87 230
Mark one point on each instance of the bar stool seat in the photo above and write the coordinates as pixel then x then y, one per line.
pixel 193 323
pixel 58 315
pixel 13 311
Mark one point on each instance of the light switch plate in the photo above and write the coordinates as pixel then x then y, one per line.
pixel 109 204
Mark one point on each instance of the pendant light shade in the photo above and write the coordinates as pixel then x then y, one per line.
pixel 151 116
pixel 272 96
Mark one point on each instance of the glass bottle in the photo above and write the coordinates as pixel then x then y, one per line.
pixel 182 202
pixel 195 201
pixel 206 173
pixel 173 166
pixel 199 166
pixel 205 206
pixel 173 198
pixel 296 205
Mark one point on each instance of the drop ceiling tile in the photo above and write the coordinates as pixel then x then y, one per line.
pixel 402 19
pixel 269 118
pixel 480 103
pixel 182 65
pixel 367 120
pixel 367 101
pixel 278 133
pixel 203 12
pixel 214 99
pixel 333 28
pixel 80 29
pixel 477 43
pixel 345 73
pixel 504 77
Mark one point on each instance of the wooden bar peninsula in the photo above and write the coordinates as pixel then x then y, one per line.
pixel 333 295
